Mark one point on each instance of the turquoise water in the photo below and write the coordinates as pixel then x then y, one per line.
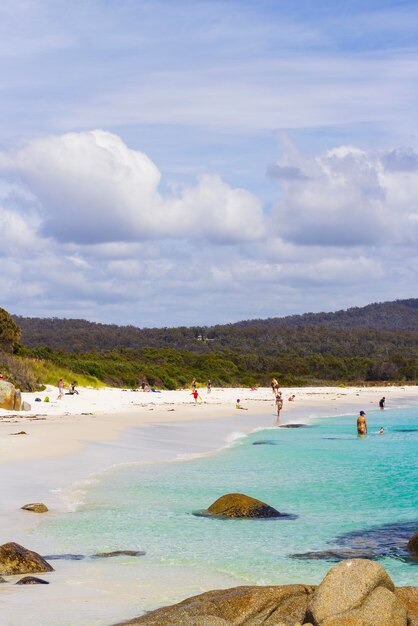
pixel 332 480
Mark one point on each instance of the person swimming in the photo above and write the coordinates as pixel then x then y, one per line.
pixel 381 431
pixel 362 424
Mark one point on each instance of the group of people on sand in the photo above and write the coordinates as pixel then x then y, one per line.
pixel 71 389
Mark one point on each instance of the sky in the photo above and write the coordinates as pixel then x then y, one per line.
pixel 190 162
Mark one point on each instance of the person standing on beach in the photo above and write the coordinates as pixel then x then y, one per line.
pixel 60 389
pixel 382 403
pixel 194 384
pixel 209 385
pixel 362 424
pixel 279 406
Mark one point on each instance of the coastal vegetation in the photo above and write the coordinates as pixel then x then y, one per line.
pixel 373 344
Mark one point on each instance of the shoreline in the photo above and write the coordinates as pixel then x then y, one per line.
pixel 68 451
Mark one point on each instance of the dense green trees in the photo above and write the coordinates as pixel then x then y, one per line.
pixel 373 344
pixel 9 332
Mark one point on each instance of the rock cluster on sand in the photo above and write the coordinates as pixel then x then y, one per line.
pixel 11 398
pixel 15 559
pixel 353 593
pixel 239 505
pixel 35 507
pixel 7 395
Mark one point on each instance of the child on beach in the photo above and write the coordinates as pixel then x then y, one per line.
pixel 239 406
pixel 195 395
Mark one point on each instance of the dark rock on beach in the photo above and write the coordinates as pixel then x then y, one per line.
pixel 35 507
pixel 32 580
pixel 238 505
pixel 15 559
pixel 106 555
pixel 353 593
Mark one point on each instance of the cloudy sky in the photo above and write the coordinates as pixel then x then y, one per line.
pixel 168 162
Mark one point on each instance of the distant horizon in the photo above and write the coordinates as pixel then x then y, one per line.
pixel 220 323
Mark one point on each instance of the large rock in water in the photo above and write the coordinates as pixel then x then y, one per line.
pixel 7 395
pixel 15 559
pixel 412 545
pixel 354 593
pixel 239 505
pixel 246 606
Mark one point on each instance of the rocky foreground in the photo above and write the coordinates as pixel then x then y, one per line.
pixel 357 592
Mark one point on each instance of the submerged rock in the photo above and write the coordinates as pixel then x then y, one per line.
pixel 238 505
pixel 32 580
pixel 106 555
pixel 35 507
pixel 341 554
pixel 64 557
pixel 387 540
pixel 15 559
pixel 265 442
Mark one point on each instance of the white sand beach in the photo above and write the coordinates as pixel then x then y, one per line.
pixel 70 442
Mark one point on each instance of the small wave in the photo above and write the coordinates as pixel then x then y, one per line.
pixel 235 436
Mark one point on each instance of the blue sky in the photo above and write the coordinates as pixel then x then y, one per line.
pixel 192 162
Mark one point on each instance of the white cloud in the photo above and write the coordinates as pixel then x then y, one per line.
pixel 92 188
pixel 346 197
pixel 119 249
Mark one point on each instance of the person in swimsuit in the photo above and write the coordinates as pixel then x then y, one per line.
pixel 279 406
pixel 382 403
pixel 362 424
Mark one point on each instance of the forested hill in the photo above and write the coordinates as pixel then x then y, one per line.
pixel 385 328
pixel 396 315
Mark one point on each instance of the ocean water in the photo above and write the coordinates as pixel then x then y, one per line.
pixel 336 483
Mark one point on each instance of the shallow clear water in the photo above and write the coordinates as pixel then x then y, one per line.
pixel 334 481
